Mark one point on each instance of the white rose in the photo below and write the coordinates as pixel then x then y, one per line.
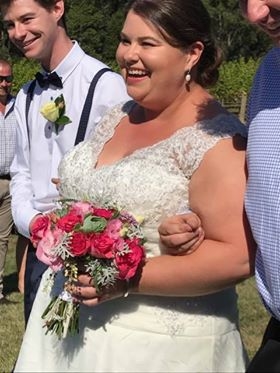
pixel 50 111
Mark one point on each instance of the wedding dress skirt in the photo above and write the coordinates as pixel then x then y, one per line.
pixel 140 334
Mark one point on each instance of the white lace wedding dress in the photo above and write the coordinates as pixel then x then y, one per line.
pixel 142 333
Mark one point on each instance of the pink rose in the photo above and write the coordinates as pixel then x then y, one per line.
pixel 103 213
pixel 82 208
pixel 127 264
pixel 69 221
pixel 102 246
pixel 119 244
pixel 79 244
pixel 113 228
pixel 45 247
pixel 38 228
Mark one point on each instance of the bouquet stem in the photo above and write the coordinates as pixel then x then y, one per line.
pixel 62 316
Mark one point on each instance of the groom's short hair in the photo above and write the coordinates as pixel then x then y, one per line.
pixel 47 4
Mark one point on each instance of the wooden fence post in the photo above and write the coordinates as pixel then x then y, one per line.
pixel 243 104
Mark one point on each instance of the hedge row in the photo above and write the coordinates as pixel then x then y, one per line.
pixel 236 78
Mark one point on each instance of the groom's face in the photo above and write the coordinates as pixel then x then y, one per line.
pixel 265 14
pixel 33 28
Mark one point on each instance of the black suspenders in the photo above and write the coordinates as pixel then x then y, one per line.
pixel 87 106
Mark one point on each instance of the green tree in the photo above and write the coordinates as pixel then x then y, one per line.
pixel 236 78
pixel 235 36
pixel 96 26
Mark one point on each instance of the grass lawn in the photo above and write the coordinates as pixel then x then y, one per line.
pixel 12 321
pixel 253 317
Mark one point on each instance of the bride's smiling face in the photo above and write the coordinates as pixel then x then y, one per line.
pixel 154 71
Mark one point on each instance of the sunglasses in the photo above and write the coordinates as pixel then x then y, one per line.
pixel 8 78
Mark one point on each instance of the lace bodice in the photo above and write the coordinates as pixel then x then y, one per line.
pixel 152 181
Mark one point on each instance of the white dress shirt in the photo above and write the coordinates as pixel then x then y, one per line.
pixel 34 165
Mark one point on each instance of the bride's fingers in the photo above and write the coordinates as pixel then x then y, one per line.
pixel 84 292
pixel 90 302
pixel 85 280
pixel 89 296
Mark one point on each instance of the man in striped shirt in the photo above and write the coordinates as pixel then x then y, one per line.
pixel 7 151
pixel 262 200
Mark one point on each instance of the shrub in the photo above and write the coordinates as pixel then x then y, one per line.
pixel 23 70
pixel 236 77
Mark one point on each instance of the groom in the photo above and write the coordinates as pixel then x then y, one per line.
pixel 37 28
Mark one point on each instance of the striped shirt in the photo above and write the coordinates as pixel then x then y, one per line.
pixel 262 199
pixel 7 137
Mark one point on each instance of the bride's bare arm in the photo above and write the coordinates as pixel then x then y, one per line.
pixel 227 254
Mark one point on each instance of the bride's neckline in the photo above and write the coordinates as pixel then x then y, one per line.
pixel 122 113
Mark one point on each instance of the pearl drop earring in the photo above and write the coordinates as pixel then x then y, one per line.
pixel 188 76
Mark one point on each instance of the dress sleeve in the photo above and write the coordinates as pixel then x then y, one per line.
pixel 193 146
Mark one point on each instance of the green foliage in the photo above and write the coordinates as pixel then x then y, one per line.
pixel 235 78
pixel 4 53
pixel 234 35
pixel 23 70
pixel 12 320
pixel 96 26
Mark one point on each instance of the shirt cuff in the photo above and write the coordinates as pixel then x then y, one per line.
pixel 22 220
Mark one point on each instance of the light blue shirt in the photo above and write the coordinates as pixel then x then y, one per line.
pixel 35 165
pixel 7 137
pixel 263 192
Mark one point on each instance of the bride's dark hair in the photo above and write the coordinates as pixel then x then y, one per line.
pixel 182 23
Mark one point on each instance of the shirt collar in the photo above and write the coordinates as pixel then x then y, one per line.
pixel 70 61
pixel 9 105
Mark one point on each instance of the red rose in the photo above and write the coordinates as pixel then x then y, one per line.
pixel 103 213
pixel 79 244
pixel 69 221
pixel 102 246
pixel 38 228
pixel 128 263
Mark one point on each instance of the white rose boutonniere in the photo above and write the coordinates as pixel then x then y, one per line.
pixel 54 111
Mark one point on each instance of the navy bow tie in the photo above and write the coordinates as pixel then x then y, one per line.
pixel 46 80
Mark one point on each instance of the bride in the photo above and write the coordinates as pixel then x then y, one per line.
pixel 173 145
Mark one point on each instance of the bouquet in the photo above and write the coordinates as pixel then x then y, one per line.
pixel 107 242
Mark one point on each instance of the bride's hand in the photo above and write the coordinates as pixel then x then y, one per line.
pixel 84 292
pixel 181 234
